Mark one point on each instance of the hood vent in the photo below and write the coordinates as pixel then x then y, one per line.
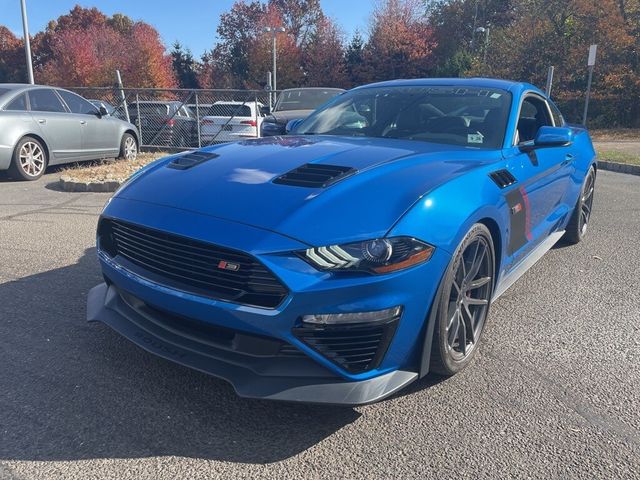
pixel 503 178
pixel 191 159
pixel 315 175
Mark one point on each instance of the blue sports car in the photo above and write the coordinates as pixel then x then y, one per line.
pixel 344 261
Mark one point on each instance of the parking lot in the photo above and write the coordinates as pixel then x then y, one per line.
pixel 554 392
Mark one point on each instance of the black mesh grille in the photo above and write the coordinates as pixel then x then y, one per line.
pixel 191 159
pixel 356 348
pixel 190 265
pixel 503 178
pixel 314 175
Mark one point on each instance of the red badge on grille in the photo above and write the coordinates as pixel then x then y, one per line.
pixel 223 265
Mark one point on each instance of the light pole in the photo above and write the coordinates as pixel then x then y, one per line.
pixel 27 42
pixel 486 41
pixel 274 32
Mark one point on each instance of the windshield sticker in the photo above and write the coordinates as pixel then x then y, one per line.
pixel 475 138
pixel 496 95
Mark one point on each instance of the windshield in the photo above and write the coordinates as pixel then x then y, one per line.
pixel 468 116
pixel 304 99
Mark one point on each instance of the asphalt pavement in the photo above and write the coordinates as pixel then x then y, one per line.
pixel 553 393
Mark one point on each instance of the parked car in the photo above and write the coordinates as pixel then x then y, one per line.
pixel 42 126
pixel 231 121
pixel 165 123
pixel 343 262
pixel 293 104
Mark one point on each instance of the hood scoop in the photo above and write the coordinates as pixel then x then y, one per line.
pixel 315 175
pixel 191 159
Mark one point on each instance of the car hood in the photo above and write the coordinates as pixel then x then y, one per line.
pixel 284 117
pixel 238 184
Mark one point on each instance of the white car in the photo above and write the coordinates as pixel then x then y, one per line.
pixel 231 121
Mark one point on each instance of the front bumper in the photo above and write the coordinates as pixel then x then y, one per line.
pixel 107 304
pixel 309 292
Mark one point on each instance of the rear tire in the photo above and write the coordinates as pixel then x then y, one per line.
pixel 464 302
pixel 128 147
pixel 577 227
pixel 29 160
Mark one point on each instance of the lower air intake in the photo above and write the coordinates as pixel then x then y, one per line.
pixel 356 348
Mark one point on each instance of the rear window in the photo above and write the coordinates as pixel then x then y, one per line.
pixel 151 109
pixel 229 111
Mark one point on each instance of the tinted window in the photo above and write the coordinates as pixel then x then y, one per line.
pixel 466 116
pixel 533 115
pixel 304 99
pixel 151 109
pixel 18 104
pixel 77 104
pixel 222 110
pixel 45 100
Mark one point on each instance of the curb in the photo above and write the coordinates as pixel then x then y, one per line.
pixel 619 167
pixel 68 184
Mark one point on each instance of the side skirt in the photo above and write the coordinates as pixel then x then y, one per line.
pixel 528 262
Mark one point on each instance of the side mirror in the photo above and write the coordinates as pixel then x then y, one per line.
pixel 265 111
pixel 551 137
pixel 103 111
pixel 293 124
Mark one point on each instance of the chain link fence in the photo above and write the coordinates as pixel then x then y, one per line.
pixel 179 119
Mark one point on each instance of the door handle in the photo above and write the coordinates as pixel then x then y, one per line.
pixel 568 158
pixel 83 122
pixel 42 121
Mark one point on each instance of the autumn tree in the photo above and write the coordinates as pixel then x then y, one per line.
pixel 324 56
pixel 85 47
pixel 12 60
pixel 401 41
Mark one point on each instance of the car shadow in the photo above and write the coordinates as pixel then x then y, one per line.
pixel 73 390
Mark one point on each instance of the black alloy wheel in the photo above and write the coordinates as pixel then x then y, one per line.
pixel 464 302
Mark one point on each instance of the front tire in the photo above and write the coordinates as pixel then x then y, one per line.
pixel 577 227
pixel 464 302
pixel 128 147
pixel 29 160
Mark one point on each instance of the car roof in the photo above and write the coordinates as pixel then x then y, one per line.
pixel 508 85
pixel 314 88
pixel 232 102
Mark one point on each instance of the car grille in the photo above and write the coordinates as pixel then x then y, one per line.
pixel 355 348
pixel 191 265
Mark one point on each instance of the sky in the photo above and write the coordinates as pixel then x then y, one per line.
pixel 192 22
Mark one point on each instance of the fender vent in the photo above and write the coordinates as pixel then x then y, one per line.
pixel 503 178
pixel 192 159
pixel 312 175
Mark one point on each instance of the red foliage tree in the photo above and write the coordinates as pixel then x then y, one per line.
pixel 85 47
pixel 12 60
pixel 401 41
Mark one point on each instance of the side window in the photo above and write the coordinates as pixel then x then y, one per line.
pixel 45 100
pixel 558 119
pixel 18 104
pixel 77 104
pixel 533 115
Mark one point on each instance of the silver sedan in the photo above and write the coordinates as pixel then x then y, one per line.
pixel 42 126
